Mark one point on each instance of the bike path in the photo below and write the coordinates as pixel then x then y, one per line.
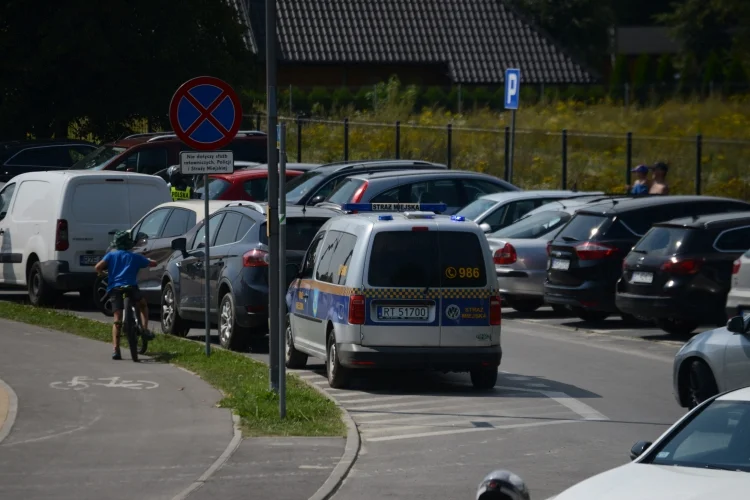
pixel 88 427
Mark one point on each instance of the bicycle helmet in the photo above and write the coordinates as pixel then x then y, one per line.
pixel 122 240
pixel 502 485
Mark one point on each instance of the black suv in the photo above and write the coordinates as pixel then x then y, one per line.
pixel 239 270
pixel 18 157
pixel 317 184
pixel 680 272
pixel 585 257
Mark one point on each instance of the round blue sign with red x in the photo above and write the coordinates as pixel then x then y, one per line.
pixel 205 113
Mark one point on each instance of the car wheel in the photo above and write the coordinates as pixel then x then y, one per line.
pixel 231 336
pixel 294 359
pixel 171 322
pixel 101 299
pixel 40 292
pixel 338 376
pixel 701 384
pixel 590 315
pixel 676 326
pixel 484 378
pixel 525 305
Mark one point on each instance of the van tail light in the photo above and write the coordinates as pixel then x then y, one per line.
pixel 356 309
pixel 506 255
pixel 594 251
pixel 255 258
pixel 61 236
pixel 495 310
pixel 359 192
pixel 736 267
pixel 682 266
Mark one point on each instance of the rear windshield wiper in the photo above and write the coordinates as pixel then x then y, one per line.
pixel 569 238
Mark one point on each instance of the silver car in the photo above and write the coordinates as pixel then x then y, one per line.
pixel 497 210
pixel 738 299
pixel 520 252
pixel 713 362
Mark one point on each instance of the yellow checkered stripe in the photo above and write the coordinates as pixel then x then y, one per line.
pixel 417 293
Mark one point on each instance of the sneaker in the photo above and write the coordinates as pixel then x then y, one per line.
pixel 116 354
pixel 148 335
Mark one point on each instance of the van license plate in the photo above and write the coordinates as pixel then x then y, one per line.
pixel 560 264
pixel 90 260
pixel 639 277
pixel 403 313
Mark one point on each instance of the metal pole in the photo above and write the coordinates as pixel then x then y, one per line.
pixel 299 138
pixel 207 275
pixel 512 144
pixel 398 140
pixel 564 159
pixel 346 139
pixel 507 154
pixel 450 145
pixel 282 271
pixel 273 195
pixel 628 158
pixel 698 162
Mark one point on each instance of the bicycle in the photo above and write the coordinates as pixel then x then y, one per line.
pixel 132 327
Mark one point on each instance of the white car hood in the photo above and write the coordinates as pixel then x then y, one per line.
pixel 660 482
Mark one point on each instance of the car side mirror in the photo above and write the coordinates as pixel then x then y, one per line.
pixel 736 325
pixel 141 237
pixel 317 199
pixel 485 227
pixel 638 449
pixel 180 244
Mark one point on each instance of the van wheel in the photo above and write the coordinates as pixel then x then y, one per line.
pixel 294 359
pixel 525 305
pixel 338 376
pixel 484 378
pixel 675 326
pixel 40 292
pixel 171 322
pixel 589 315
pixel 231 336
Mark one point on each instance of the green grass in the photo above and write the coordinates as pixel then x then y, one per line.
pixel 243 381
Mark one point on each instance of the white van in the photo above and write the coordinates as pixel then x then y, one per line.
pixel 55 226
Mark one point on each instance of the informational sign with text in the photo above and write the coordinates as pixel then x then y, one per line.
pixel 206 162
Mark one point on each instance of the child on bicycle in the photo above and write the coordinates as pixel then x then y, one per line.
pixel 123 266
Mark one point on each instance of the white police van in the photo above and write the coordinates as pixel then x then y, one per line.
pixel 402 288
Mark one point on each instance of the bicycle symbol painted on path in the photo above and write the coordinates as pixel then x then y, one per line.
pixel 80 383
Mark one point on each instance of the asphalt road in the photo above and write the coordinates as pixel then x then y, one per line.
pixel 571 400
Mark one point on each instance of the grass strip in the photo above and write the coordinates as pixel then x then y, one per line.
pixel 243 381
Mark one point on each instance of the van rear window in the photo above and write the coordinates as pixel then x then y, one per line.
pixel 584 227
pixel 427 259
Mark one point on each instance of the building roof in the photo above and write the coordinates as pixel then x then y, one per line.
pixel 477 40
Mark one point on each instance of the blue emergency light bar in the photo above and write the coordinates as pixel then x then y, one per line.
pixel 394 207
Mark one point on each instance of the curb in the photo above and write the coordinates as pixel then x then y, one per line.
pixel 10 418
pixel 351 451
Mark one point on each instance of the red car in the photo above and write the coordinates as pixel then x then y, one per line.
pixel 247 184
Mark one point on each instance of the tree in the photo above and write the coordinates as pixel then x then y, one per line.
pixel 80 61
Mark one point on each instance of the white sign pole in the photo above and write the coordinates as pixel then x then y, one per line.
pixel 206 264
pixel 282 270
pixel 512 89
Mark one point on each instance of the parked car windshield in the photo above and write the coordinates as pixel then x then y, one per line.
pixel 300 186
pixel 715 438
pixel 216 187
pixel 533 226
pixel 663 241
pixel 98 159
pixel 476 208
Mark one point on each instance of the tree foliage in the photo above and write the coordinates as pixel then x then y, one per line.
pixel 104 63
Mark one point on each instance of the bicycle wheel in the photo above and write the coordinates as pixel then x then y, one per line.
pixel 142 341
pixel 128 323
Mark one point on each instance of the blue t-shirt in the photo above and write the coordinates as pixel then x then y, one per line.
pixel 639 189
pixel 123 267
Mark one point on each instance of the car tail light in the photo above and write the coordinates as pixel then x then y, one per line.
pixel 505 255
pixel 495 310
pixel 682 266
pixel 356 309
pixel 736 267
pixel 549 248
pixel 359 192
pixel 594 251
pixel 255 258
pixel 61 236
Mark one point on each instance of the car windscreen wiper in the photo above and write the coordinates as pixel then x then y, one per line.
pixel 569 238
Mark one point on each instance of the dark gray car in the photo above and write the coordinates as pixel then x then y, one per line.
pixel 238 271
pixel 455 188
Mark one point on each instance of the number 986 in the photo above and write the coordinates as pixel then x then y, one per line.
pixel 468 272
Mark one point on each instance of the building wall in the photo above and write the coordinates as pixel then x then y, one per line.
pixel 352 76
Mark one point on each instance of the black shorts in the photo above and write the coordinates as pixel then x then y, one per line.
pixel 118 299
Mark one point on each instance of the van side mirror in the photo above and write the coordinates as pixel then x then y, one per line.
pixel 485 227
pixel 736 325
pixel 638 449
pixel 181 245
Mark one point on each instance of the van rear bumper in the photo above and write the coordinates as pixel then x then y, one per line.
pixel 457 359
pixel 57 273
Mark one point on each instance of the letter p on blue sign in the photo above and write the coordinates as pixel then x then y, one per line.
pixel 512 88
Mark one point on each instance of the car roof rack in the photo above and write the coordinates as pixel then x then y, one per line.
pixel 147 134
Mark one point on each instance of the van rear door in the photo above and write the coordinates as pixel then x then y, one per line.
pixel 145 192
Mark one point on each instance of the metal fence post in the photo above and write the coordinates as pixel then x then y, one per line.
pixel 628 158
pixel 299 138
pixel 257 121
pixel 507 153
pixel 564 159
pixel 398 140
pixel 346 139
pixel 698 161
pixel 450 145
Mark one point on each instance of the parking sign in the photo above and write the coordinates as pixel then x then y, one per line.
pixel 512 88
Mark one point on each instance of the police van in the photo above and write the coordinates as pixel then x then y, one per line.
pixel 396 286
